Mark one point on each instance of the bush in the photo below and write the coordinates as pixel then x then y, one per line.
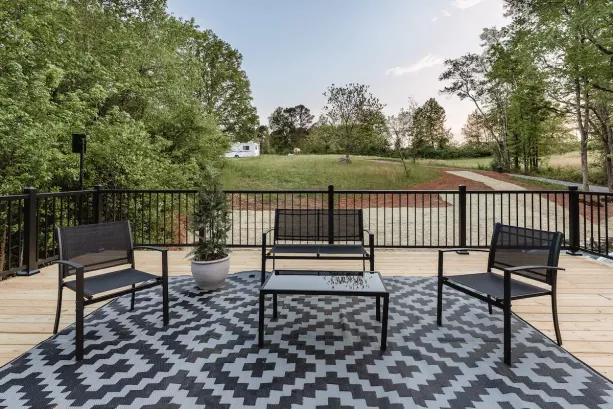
pixel 450 152
pixel 597 176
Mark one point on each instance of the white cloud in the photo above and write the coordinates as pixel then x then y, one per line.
pixel 426 62
pixel 434 18
pixel 445 12
pixel 465 4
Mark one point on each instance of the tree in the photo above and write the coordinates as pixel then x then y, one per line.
pixel 224 88
pixel 475 131
pixel 400 129
pixel 429 127
pixel 356 113
pixel 573 40
pixel 468 77
pixel 117 70
pixel 263 138
pixel 289 126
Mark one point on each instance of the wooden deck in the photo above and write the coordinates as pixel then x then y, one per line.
pixel 27 304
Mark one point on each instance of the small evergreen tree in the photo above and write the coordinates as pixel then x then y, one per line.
pixel 211 220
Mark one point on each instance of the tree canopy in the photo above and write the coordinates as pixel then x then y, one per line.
pixel 289 127
pixel 157 97
pixel 356 114
pixel 551 67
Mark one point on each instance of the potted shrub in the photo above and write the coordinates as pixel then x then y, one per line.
pixel 210 258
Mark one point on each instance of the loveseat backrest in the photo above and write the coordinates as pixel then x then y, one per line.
pixel 313 225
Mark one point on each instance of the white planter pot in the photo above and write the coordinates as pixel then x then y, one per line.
pixel 210 275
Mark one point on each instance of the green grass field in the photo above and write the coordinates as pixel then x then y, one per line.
pixel 318 171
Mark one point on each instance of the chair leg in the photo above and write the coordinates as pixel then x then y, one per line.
pixel 133 297
pixel 556 324
pixel 439 303
pixel 489 304
pixel 165 301
pixel 507 332
pixel 58 310
pixel 79 336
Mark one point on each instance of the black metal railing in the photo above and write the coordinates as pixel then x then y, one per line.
pixel 398 218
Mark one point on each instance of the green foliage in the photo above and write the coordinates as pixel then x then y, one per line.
pixel 212 220
pixel 358 118
pixel 224 88
pixel 148 89
pixel 456 152
pixel 429 131
pixel 289 127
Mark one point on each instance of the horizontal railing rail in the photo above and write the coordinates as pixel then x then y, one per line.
pixel 397 218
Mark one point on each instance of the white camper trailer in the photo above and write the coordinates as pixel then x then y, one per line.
pixel 244 150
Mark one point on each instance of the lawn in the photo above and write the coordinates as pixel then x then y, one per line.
pixel 319 171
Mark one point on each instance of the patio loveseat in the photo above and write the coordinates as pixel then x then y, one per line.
pixel 318 234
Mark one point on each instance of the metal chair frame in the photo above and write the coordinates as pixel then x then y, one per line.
pixel 504 302
pixel 312 251
pixel 83 300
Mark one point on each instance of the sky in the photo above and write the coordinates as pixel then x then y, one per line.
pixel 293 50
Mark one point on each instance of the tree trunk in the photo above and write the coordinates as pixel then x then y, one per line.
pixel 602 113
pixel 583 132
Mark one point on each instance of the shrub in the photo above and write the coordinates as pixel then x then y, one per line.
pixel 212 220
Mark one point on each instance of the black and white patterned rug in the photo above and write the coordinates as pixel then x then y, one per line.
pixel 320 353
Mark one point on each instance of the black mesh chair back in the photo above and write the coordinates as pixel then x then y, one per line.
pixel 519 246
pixel 313 225
pixel 96 246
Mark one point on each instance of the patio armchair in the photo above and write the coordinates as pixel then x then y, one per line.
pixel 87 248
pixel 514 251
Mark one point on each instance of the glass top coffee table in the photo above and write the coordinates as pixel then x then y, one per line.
pixel 340 283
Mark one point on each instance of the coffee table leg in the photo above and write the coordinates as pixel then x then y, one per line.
pixel 261 321
pixel 378 313
pixel 274 306
pixel 384 323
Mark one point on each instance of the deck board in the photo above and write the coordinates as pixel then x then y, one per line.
pixel 585 299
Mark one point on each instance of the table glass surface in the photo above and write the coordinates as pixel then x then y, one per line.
pixel 350 282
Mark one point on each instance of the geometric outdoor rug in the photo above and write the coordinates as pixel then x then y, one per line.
pixel 321 352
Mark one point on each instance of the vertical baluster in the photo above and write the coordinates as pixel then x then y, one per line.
pixel 9 223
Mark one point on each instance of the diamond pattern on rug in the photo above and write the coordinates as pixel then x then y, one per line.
pixel 321 352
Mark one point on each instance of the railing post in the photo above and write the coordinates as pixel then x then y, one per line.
pixel 331 214
pixel 97 204
pixel 30 250
pixel 462 214
pixel 573 221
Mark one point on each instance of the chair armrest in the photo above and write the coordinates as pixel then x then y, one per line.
pixel 522 268
pixel 70 264
pixel 150 248
pixel 79 269
pixel 466 249
pixel 371 238
pixel 264 234
pixel 442 252
pixel 164 257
